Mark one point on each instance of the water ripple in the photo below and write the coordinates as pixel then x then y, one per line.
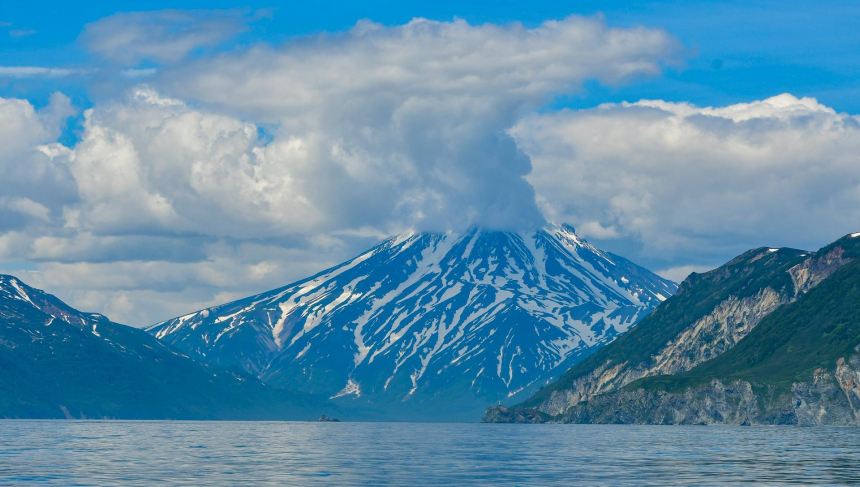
pixel 141 453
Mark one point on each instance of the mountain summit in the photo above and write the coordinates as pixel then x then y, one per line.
pixel 430 326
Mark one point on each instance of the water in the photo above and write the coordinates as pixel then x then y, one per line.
pixel 343 454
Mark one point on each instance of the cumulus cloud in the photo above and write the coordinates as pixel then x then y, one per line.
pixel 164 36
pixel 36 183
pixel 148 164
pixel 409 122
pixel 698 182
pixel 424 59
pixel 243 171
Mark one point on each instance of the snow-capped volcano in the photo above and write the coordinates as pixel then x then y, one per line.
pixel 431 325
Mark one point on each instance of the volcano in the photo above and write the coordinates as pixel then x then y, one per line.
pixel 430 326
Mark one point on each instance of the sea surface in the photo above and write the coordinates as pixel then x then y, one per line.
pixel 142 453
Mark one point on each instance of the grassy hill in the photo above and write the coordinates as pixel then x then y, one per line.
pixel 697 296
pixel 791 343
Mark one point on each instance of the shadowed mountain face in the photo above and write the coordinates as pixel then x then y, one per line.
pixel 56 362
pixel 430 326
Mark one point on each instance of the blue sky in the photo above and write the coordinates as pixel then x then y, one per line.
pixel 256 144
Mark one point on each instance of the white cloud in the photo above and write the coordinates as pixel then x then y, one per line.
pixel 699 182
pixel 35 71
pixel 28 207
pixel 241 172
pixel 596 230
pixel 21 33
pixel 408 122
pixel 149 165
pixel 138 73
pixel 164 36
pixel 451 62
pixel 35 181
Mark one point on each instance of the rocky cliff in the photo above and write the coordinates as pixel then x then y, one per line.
pixel 704 339
pixel 829 398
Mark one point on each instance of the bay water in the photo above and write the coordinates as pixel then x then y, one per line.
pixel 144 453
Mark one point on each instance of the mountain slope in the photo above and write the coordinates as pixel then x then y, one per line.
pixel 430 326
pixel 58 362
pixel 709 314
pixel 789 345
pixel 797 365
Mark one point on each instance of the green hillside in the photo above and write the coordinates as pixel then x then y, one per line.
pixel 697 296
pixel 792 342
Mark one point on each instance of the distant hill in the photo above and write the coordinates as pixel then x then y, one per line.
pixel 58 362
pixel 431 326
pixel 769 338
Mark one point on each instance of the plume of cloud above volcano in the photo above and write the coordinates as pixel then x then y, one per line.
pixel 408 123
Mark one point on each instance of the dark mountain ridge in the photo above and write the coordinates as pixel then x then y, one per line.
pixel 58 362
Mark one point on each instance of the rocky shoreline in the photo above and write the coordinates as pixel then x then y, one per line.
pixel 832 398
